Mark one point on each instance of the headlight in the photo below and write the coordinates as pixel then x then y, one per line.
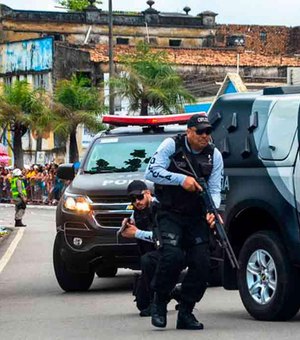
pixel 77 203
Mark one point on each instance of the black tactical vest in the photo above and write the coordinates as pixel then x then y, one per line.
pixel 144 220
pixel 175 198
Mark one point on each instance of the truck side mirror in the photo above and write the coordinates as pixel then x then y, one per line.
pixel 66 171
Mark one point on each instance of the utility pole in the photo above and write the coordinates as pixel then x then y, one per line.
pixel 111 58
pixel 239 42
pixel 238 63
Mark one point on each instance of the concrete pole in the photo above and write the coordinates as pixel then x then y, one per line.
pixel 238 63
pixel 111 58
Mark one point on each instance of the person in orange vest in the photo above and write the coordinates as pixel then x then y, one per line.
pixel 19 196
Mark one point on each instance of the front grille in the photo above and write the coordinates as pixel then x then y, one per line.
pixel 111 219
pixel 75 225
pixel 109 199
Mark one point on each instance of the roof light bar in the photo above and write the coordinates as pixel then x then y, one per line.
pixel 147 120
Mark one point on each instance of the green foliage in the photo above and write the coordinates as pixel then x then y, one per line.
pixel 76 5
pixel 150 80
pixel 77 102
pixel 21 105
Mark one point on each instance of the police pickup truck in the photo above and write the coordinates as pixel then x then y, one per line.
pixel 258 135
pixel 93 206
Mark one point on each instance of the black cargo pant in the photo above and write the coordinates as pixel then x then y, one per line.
pixel 185 242
pixel 148 261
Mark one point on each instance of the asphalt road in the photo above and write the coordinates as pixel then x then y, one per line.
pixel 32 305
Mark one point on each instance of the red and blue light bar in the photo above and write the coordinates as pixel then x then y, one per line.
pixel 148 120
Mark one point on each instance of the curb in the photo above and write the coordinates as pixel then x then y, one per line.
pixel 45 207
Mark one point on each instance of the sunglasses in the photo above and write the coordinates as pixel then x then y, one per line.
pixel 207 131
pixel 139 197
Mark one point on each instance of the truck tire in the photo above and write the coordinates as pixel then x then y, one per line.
pixel 106 271
pixel 267 281
pixel 69 281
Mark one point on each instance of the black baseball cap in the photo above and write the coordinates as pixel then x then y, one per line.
pixel 136 187
pixel 199 121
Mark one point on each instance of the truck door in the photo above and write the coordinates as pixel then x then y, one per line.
pixel 279 146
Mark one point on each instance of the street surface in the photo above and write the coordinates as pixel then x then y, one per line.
pixel 34 307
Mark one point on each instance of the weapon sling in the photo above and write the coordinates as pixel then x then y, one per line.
pixel 220 233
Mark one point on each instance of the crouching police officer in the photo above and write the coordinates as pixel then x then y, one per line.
pixel 149 263
pixel 182 218
pixel 143 217
pixel 19 196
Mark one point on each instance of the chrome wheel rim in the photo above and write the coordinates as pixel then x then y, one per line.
pixel 261 276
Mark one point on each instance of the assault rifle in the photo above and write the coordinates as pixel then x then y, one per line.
pixel 219 231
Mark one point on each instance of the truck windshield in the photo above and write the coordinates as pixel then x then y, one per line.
pixel 122 153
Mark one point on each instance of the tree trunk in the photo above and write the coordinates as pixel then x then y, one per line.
pixel 73 151
pixel 17 147
pixel 38 147
pixel 144 107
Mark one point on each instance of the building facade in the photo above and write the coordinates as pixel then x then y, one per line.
pixel 44 47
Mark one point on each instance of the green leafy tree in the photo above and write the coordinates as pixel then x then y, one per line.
pixel 150 80
pixel 77 102
pixel 76 5
pixel 23 108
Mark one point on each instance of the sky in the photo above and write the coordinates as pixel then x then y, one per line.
pixel 254 12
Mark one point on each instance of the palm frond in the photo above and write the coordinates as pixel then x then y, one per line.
pixel 148 77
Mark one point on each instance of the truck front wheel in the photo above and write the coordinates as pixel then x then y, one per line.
pixel 267 281
pixel 69 281
pixel 106 271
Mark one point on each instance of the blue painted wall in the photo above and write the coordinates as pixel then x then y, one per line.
pixel 230 88
pixel 26 56
pixel 204 107
pixel 201 107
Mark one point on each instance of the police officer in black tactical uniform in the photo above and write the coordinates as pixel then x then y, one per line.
pixel 141 226
pixel 143 217
pixel 182 219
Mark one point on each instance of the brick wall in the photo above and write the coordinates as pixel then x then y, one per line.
pixel 272 40
pixel 294 42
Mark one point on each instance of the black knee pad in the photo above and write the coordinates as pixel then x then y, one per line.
pixel 170 239
pixel 173 255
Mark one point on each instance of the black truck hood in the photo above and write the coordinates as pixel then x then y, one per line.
pixel 103 184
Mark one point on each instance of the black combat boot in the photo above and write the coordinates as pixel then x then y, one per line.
pixel 19 223
pixel 159 312
pixel 186 319
pixel 147 311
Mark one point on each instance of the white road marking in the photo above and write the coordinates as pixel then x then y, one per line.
pixel 10 250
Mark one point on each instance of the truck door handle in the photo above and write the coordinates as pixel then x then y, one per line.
pixel 272 147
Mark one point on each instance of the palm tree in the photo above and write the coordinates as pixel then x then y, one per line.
pixel 76 102
pixel 77 5
pixel 149 80
pixel 22 108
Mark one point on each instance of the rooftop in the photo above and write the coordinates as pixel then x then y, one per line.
pixel 201 57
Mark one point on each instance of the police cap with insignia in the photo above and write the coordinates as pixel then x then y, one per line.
pixel 199 121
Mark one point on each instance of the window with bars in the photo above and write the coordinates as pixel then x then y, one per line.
pixel 41 80
pixel 174 42
pixel 122 41
pixel 263 37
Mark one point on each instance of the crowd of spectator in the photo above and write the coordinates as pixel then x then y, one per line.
pixel 41 183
